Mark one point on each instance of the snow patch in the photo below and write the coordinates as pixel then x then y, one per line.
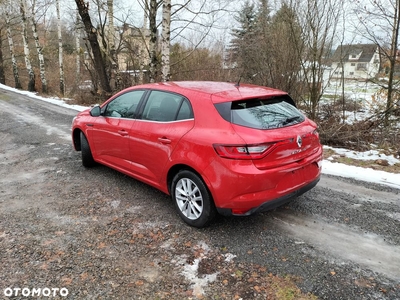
pixel 366 155
pixel 190 271
pixel 364 174
pixel 56 101
pixel 229 257
pixel 114 204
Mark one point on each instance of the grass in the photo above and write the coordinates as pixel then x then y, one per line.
pixel 285 289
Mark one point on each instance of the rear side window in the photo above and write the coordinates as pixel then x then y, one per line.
pixel 166 107
pixel 261 113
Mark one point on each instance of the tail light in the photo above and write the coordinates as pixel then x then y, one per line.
pixel 246 151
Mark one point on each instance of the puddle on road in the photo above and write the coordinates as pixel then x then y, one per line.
pixel 365 249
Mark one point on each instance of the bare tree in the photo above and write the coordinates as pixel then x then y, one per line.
pixel 318 21
pixel 2 75
pixel 60 49
pixel 39 47
pixel 152 14
pixel 91 32
pixel 17 82
pixel 284 66
pixel 31 83
pixel 111 51
pixel 193 21
pixel 380 20
pixel 78 48
pixel 150 8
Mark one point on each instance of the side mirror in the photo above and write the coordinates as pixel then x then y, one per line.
pixel 95 111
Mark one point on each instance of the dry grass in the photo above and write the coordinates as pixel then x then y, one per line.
pixel 374 164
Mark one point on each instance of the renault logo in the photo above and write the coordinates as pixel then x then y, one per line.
pixel 299 141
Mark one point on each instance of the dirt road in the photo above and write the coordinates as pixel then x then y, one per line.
pixel 73 233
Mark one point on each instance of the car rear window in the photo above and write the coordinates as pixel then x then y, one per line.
pixel 261 113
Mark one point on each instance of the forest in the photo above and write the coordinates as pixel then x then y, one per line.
pixel 88 50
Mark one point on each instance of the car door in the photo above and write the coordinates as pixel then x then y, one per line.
pixel 166 117
pixel 110 133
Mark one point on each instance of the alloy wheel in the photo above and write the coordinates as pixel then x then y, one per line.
pixel 189 198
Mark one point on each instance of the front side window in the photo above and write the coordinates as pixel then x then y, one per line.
pixel 261 113
pixel 166 107
pixel 124 106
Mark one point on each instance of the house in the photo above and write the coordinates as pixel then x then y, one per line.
pixel 132 43
pixel 133 54
pixel 357 62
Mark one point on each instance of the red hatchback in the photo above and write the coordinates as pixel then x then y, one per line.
pixel 212 146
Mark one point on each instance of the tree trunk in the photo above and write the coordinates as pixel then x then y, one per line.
pixel 31 73
pixel 392 61
pixel 13 59
pixel 60 50
pixel 78 49
pixel 165 40
pixel 318 21
pixel 2 76
pixel 142 52
pixel 153 40
pixel 98 61
pixel 39 50
pixel 115 76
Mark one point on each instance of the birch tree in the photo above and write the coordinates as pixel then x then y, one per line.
pixel 60 49
pixel 39 47
pixel 193 22
pixel 152 15
pixel 165 41
pixel 17 82
pixel 31 73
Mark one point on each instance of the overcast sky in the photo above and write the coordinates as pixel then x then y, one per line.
pixel 130 11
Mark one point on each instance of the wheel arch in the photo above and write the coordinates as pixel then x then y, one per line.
pixel 179 167
pixel 76 139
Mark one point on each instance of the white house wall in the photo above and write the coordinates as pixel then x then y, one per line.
pixel 352 69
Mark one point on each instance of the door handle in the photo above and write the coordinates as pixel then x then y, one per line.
pixel 164 140
pixel 123 132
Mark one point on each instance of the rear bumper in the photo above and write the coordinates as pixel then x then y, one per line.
pixel 271 204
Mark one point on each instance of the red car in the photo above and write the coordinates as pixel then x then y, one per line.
pixel 213 146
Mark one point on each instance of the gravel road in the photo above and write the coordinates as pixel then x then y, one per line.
pixel 67 232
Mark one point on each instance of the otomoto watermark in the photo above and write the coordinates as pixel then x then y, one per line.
pixel 35 292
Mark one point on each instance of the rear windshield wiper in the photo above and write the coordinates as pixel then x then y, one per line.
pixel 290 120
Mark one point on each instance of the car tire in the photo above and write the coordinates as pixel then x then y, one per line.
pixel 192 199
pixel 87 158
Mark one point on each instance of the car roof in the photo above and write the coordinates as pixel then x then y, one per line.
pixel 219 91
